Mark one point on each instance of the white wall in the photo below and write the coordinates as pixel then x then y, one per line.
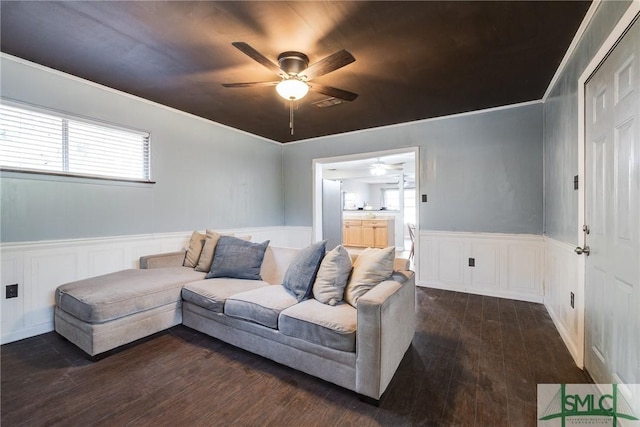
pixel 361 190
pixel 40 267
pixel 509 266
pixel 506 265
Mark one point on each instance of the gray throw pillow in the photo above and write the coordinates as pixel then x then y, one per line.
pixel 301 274
pixel 332 276
pixel 237 259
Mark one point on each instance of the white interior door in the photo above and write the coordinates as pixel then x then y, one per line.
pixel 612 192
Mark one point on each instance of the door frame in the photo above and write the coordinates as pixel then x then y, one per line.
pixel 616 34
pixel 317 188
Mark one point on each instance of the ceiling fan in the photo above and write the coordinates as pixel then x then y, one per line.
pixel 295 74
pixel 380 168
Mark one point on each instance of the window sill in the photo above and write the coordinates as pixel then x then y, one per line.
pixel 67 177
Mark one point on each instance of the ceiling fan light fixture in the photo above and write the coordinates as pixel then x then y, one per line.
pixel 292 89
pixel 378 170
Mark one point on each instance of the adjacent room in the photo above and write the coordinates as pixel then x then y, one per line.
pixel 317 212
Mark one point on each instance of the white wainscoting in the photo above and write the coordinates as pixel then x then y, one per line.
pixel 561 278
pixel 40 267
pixel 506 265
pixel 510 266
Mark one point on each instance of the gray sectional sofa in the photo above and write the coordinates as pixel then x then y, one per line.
pixel 358 348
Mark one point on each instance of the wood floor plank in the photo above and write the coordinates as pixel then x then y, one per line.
pixel 474 360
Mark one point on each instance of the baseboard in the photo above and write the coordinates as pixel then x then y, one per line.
pixel 28 332
pixel 568 338
pixel 484 292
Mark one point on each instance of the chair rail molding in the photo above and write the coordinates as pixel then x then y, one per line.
pixel 40 267
pixel 504 265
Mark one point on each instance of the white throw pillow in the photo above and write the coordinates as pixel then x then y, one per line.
pixel 370 268
pixel 332 276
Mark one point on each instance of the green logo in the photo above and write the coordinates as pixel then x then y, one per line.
pixel 587 404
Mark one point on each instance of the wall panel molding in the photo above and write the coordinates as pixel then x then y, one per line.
pixel 561 279
pixel 40 267
pixel 506 265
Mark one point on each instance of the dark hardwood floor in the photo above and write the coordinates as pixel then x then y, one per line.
pixel 474 361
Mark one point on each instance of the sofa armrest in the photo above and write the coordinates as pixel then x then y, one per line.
pixel 386 325
pixel 171 259
pixel 401 264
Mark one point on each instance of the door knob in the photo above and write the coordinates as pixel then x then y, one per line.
pixel 586 250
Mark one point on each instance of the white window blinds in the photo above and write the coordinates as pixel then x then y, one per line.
pixel 35 141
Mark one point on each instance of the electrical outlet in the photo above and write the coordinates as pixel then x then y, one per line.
pixel 573 298
pixel 472 262
pixel 424 198
pixel 12 291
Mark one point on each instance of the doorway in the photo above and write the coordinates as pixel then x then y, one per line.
pixel 610 208
pixel 376 185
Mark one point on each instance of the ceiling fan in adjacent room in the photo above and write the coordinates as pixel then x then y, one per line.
pixel 380 168
pixel 295 74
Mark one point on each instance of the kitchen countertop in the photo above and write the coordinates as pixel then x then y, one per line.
pixel 370 214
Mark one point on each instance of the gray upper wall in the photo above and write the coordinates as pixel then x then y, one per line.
pixel 206 175
pixel 561 127
pixel 482 172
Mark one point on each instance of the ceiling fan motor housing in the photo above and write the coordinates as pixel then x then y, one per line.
pixel 293 62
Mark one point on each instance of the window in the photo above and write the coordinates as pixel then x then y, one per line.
pixel 35 141
pixel 392 202
pixel 409 205
pixel 349 201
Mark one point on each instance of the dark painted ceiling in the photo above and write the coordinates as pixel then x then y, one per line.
pixel 414 60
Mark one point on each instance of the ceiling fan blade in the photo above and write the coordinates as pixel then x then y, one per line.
pixel 250 84
pixel 328 64
pixel 396 167
pixel 332 91
pixel 258 57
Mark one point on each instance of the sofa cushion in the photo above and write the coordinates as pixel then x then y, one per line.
pixel 237 258
pixel 372 266
pixel 332 276
pixel 114 295
pixel 302 271
pixel 212 293
pixel 329 326
pixel 262 305
pixel 195 248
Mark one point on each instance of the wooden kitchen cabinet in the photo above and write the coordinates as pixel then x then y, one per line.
pixel 364 233
pixel 352 233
